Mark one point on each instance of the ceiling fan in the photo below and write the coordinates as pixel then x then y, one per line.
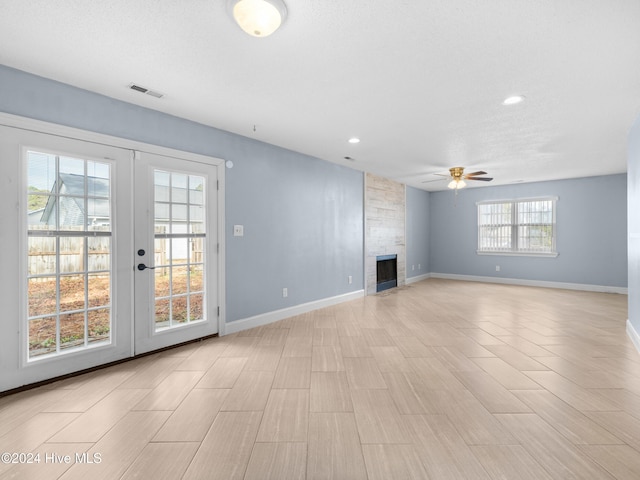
pixel 458 177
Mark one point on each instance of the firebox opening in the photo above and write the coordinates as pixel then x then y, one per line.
pixel 387 268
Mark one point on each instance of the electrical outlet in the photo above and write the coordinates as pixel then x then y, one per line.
pixel 238 230
pixel 350 279
pixel 413 267
pixel 285 292
pixel 497 268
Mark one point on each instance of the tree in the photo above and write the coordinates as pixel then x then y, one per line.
pixel 36 202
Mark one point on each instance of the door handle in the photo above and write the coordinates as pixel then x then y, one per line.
pixel 142 266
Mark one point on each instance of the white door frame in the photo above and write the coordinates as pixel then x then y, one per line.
pixel 12 371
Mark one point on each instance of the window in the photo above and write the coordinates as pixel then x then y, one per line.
pixel 179 255
pixel 517 227
pixel 68 222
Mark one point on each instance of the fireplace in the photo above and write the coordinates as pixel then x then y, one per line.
pixel 387 268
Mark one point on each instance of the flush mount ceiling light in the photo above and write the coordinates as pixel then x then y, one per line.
pixel 354 140
pixel 514 99
pixel 258 18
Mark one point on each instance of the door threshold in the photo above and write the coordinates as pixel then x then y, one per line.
pixel 48 381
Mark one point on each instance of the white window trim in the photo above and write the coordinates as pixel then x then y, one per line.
pixel 515 253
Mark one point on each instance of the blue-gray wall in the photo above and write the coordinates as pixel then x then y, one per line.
pixel 302 217
pixel 303 230
pixel 417 227
pixel 633 173
pixel 591 233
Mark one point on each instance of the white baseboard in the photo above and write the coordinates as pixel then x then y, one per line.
pixel 633 335
pixel 419 278
pixel 274 316
pixel 270 317
pixel 533 283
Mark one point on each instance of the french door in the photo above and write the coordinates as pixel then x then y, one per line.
pixel 176 258
pixel 108 253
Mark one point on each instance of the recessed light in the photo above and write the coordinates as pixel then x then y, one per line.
pixel 513 100
pixel 354 140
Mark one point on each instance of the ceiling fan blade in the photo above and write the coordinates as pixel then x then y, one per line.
pixel 484 179
pixel 475 173
pixel 437 179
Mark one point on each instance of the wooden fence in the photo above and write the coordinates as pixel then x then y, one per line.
pixel 42 254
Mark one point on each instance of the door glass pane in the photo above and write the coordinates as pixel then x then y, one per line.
pixel 178 188
pixel 72 292
pixel 42 336
pixel 99 289
pixel 179 309
pixel 179 250
pixel 161 186
pixel 163 313
pixel 161 217
pixel 161 252
pixel 99 325
pixel 42 213
pixel 41 256
pixel 72 213
pixel 71 258
pixel 178 218
pixel 162 281
pixel 180 234
pixel 98 215
pixel 72 330
pixel 99 253
pixel 195 278
pixel 196 190
pixel 72 167
pixel 196 219
pixel 68 307
pixel 42 292
pixel 41 172
pixel 196 307
pixel 98 182
pixel 196 250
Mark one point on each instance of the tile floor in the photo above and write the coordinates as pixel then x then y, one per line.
pixel 437 380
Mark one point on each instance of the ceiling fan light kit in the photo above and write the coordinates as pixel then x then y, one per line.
pixel 258 18
pixel 458 177
pixel 456 184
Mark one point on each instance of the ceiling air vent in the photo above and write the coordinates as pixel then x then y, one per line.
pixel 140 89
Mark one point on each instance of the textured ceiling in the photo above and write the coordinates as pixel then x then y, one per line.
pixel 421 83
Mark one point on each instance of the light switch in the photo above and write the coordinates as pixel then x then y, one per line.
pixel 238 230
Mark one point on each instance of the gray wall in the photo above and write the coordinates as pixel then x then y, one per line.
pixel 303 230
pixel 591 233
pixel 303 217
pixel 417 232
pixel 633 172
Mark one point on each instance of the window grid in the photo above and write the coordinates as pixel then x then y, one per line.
pixel 517 226
pixel 179 249
pixel 68 249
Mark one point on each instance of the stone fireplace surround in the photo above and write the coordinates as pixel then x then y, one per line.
pixel 385 203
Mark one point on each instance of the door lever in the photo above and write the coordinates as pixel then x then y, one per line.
pixel 142 266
